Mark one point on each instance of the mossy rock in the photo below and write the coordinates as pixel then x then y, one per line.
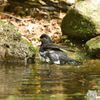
pixel 82 20
pixel 93 46
pixel 13 47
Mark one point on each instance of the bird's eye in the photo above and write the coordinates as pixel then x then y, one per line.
pixel 44 39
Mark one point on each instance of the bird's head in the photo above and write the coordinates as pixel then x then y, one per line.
pixel 44 38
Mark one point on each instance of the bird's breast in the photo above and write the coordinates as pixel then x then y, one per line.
pixel 51 56
pixel 44 55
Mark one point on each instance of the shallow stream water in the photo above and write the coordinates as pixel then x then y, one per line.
pixel 42 81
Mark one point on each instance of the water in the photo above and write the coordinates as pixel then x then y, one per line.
pixel 42 81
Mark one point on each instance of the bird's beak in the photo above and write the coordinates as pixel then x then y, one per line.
pixel 38 38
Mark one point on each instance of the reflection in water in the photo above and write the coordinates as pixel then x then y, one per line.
pixel 42 81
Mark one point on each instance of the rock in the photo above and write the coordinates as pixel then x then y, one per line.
pixel 13 48
pixel 82 20
pixel 93 46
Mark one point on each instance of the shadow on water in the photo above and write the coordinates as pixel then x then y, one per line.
pixel 42 81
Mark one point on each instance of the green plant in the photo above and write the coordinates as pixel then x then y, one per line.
pixel 67 40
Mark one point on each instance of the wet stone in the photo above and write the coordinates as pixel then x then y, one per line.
pixel 13 48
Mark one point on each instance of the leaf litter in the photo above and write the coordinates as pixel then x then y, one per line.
pixel 31 28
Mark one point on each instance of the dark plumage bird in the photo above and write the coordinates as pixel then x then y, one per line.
pixel 54 53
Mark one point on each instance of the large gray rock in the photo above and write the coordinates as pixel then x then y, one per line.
pixel 82 20
pixel 93 46
pixel 13 48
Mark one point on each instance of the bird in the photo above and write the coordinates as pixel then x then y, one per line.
pixel 53 53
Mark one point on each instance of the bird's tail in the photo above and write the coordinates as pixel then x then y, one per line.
pixel 80 62
pixel 73 60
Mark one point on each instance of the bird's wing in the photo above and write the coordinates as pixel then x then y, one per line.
pixel 59 47
pixel 65 48
pixel 57 56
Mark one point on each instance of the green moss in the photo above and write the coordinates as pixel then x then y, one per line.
pixel 83 24
pixel 32 48
pixel 28 43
